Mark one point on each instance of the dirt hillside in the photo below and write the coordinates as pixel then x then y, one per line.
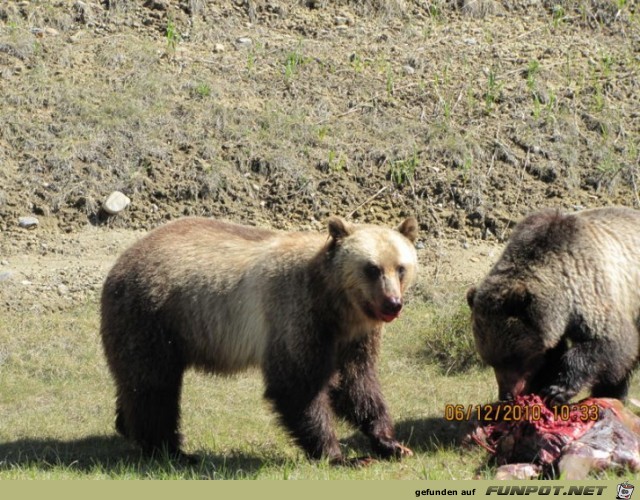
pixel 467 114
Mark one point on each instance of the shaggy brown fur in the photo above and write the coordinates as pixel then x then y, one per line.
pixel 307 308
pixel 561 308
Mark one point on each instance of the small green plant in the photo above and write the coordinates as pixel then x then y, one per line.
pixel 435 12
pixel 606 62
pixel 537 106
pixel 558 14
pixel 323 131
pixel 551 102
pixel 337 162
pixel 598 97
pixel 292 63
pixel 202 90
pixel 608 166
pixel 493 90
pixel 255 51
pixel 357 63
pixel 444 78
pixel 172 36
pixel 467 166
pixel 446 109
pixel 532 71
pixel 389 83
pixel 403 171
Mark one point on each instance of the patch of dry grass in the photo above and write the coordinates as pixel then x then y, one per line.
pixel 56 411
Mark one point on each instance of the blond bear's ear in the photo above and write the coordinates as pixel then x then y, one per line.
pixel 409 229
pixel 339 228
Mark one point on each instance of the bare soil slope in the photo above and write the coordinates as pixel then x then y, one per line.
pixel 466 114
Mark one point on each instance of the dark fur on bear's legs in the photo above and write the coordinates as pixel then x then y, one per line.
pixel 301 401
pixel 604 364
pixel 357 397
pixel 345 383
pixel 308 421
pixel 150 417
pixel 550 369
pixel 148 394
pixel 607 390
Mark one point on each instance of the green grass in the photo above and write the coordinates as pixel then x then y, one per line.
pixel 56 411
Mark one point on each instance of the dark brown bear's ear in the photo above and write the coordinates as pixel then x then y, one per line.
pixel 339 228
pixel 471 294
pixel 517 300
pixel 409 229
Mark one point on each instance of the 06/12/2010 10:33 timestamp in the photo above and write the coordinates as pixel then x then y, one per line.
pixel 505 412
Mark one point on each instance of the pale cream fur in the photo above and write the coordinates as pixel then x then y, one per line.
pixel 219 289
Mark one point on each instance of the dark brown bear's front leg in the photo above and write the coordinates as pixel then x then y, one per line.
pixel 308 419
pixel 357 397
pixel 602 363
pixel 296 384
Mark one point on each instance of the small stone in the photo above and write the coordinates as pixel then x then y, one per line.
pixel 6 275
pixel 25 282
pixel 218 47
pixel 420 245
pixel 116 203
pixel 28 222
pixel 4 262
pixel 244 41
pixel 340 20
pixel 409 70
pixel 63 290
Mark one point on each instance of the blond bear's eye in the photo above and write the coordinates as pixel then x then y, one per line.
pixel 401 272
pixel 372 272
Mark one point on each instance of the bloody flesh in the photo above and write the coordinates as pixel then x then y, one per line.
pixel 537 438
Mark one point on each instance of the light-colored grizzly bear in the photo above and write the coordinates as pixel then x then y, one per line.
pixel 308 308
pixel 560 310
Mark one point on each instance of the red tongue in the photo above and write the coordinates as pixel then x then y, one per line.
pixel 388 317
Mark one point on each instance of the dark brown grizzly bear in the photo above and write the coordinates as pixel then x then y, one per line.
pixel 560 310
pixel 308 308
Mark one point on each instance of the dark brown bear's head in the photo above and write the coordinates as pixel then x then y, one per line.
pixel 508 334
pixel 520 311
pixel 375 266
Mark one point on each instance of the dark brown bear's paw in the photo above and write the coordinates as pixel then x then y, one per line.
pixel 403 451
pixel 392 449
pixel 556 394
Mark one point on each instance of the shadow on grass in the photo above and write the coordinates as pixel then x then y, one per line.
pixel 432 434
pixel 428 435
pixel 112 455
